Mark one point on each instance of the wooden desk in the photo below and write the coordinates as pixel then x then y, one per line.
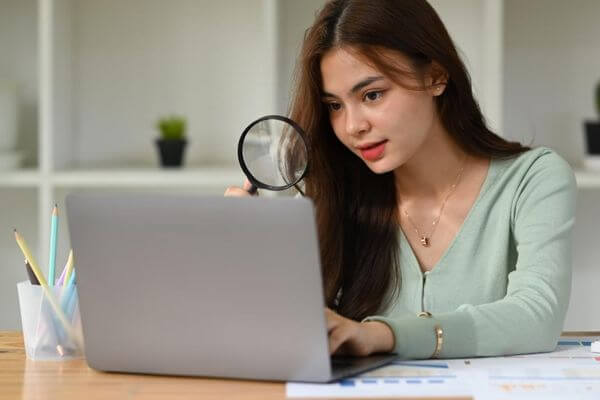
pixel 24 379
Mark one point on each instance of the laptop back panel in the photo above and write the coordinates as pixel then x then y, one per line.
pixel 208 286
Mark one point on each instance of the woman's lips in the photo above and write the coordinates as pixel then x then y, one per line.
pixel 373 152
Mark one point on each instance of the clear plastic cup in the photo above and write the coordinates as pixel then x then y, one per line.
pixel 45 336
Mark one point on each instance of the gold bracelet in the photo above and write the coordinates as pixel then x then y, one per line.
pixel 439 334
pixel 439 340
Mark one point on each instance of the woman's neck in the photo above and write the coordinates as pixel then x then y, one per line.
pixel 433 169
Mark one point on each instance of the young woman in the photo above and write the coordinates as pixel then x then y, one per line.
pixel 438 237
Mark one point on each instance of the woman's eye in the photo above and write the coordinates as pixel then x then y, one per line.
pixel 372 96
pixel 334 106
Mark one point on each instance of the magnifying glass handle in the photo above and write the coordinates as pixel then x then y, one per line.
pixel 253 190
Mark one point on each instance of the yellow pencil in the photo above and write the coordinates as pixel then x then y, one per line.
pixel 44 284
pixel 69 268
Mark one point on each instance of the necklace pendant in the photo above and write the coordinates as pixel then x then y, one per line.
pixel 425 241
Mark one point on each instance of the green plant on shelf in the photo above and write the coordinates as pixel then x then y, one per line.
pixel 172 127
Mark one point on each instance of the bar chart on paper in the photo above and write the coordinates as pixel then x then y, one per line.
pixel 408 378
pixel 571 371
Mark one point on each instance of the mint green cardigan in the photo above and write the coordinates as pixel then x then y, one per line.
pixel 503 284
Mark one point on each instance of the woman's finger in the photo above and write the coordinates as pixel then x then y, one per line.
pixel 337 337
pixel 332 318
pixel 332 324
pixel 234 191
pixel 250 188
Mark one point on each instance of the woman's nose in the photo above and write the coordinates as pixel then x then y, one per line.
pixel 356 123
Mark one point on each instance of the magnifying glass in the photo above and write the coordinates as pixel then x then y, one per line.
pixel 273 153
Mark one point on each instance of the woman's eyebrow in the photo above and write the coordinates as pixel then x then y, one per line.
pixel 358 86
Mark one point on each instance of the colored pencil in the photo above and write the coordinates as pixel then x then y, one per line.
pixel 53 240
pixel 30 274
pixel 69 268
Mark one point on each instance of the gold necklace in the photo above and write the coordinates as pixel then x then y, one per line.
pixel 426 238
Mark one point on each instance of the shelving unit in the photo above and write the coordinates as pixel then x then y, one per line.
pixel 107 72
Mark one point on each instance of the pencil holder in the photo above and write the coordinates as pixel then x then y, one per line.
pixel 47 336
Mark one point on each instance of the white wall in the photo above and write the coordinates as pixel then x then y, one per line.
pixel 463 20
pixel 476 29
pixel 15 212
pixel 294 18
pixel 18 63
pixel 583 314
pixel 552 63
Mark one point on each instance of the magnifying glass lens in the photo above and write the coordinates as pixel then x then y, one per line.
pixel 273 153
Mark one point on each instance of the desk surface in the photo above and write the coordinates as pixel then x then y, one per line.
pixel 24 379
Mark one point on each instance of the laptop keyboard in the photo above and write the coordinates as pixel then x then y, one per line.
pixel 343 366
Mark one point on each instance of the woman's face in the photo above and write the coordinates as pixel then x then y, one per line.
pixel 380 121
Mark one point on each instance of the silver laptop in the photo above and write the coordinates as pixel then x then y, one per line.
pixel 203 286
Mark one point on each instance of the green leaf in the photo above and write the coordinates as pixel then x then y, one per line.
pixel 172 127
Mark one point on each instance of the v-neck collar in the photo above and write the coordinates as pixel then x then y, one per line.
pixel 406 251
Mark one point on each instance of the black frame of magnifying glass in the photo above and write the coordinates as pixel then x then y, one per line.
pixel 251 177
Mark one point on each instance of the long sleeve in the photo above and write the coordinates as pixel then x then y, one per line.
pixel 530 317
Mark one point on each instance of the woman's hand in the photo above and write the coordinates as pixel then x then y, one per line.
pixel 234 191
pixel 348 337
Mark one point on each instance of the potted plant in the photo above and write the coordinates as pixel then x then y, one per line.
pixel 592 137
pixel 172 141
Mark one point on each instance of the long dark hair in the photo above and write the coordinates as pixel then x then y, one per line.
pixel 356 209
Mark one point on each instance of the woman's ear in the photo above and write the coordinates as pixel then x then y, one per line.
pixel 438 79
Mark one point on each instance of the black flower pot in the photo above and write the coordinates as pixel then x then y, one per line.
pixel 592 137
pixel 171 152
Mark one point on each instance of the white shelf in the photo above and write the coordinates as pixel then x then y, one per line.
pixel 20 178
pixel 188 177
pixel 196 177
pixel 587 179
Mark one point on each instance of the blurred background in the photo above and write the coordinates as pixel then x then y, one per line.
pixel 83 84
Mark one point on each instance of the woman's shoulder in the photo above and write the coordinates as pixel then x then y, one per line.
pixel 535 164
pixel 541 156
pixel 537 176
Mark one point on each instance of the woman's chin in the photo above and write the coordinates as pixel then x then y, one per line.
pixel 379 167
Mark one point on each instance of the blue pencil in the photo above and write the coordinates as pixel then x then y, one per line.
pixel 53 238
pixel 71 279
pixel 67 290
pixel 68 296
